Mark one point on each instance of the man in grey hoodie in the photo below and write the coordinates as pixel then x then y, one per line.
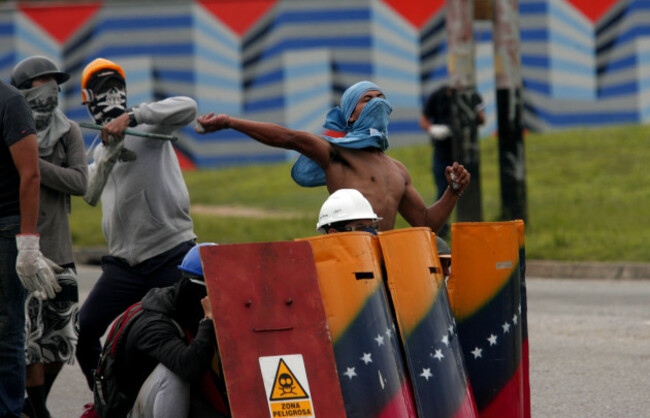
pixel 145 203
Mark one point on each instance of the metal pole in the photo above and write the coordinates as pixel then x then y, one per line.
pixel 132 132
pixel 460 43
pixel 512 164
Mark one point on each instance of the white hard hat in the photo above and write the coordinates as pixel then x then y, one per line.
pixel 344 205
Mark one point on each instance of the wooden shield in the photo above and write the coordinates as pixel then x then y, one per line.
pixel 271 329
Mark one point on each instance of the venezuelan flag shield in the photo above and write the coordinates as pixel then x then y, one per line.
pixel 433 355
pixel 484 289
pixel 524 317
pixel 366 347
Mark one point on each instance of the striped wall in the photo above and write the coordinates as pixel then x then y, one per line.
pixel 288 61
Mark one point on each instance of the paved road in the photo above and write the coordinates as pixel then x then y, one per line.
pixel 589 350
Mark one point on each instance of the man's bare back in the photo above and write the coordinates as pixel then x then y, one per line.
pixel 384 181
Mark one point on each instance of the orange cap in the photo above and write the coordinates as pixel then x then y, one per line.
pixel 96 65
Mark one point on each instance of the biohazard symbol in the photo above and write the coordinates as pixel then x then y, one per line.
pixel 285 385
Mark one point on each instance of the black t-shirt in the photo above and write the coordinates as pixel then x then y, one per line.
pixel 437 110
pixel 16 122
pixel 438 107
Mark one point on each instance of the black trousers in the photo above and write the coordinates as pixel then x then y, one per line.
pixel 119 287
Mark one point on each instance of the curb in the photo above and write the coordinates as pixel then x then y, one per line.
pixel 89 255
pixel 587 270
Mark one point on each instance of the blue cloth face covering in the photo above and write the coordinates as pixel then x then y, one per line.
pixel 370 229
pixel 370 130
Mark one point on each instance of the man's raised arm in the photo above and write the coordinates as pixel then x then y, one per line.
pixel 308 144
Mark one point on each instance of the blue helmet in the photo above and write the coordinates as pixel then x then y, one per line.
pixel 192 261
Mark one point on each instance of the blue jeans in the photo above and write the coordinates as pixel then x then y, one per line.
pixel 12 322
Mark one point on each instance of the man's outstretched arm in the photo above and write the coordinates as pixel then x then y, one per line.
pixel 306 143
pixel 415 211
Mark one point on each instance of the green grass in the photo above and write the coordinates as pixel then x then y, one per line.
pixel 588 196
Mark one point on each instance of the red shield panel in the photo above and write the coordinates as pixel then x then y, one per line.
pixel 269 314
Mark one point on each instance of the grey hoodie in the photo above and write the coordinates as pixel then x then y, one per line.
pixel 145 203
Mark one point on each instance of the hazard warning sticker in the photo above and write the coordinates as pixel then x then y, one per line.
pixel 287 389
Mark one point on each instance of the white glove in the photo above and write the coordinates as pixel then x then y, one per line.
pixel 35 272
pixel 439 132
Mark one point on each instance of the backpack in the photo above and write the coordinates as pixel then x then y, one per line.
pixel 109 401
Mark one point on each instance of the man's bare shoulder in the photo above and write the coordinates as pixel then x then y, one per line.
pixel 399 165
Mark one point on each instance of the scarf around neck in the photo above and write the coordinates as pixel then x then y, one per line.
pixel 370 130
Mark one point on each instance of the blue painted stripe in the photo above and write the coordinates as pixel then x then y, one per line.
pixel 620 64
pixel 483 36
pixel 6 29
pixel 205 28
pixel 622 89
pixel 397 127
pixel 218 106
pixel 78 114
pixel 182 48
pixel 483 62
pixel 436 73
pixel 216 57
pixel 221 136
pixel 37 41
pixel 80 40
pixel 643 57
pixel 566 119
pixel 627 9
pixel 122 23
pixel 397 74
pixel 573 92
pixel 294 71
pixel 8 59
pixel 362 41
pixel 532 8
pixel 359 68
pixel 399 52
pixel 567 42
pixel 534 35
pixel 536 61
pixel 434 30
pixel 270 103
pixel 183 76
pixel 623 38
pixel 536 86
pixel 435 50
pixel 264 79
pixel 335 17
pixel 388 23
pixel 644 84
pixel 302 96
pixel 403 100
pixel 216 81
pixel 309 118
pixel 558 11
pixel 556 64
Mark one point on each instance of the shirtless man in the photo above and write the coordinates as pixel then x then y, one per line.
pixel 356 161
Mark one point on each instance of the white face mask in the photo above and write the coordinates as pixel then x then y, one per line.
pixel 43 100
pixel 108 105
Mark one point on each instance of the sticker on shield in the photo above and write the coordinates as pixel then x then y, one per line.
pixel 286 385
